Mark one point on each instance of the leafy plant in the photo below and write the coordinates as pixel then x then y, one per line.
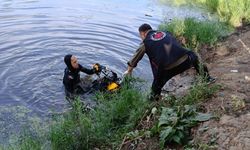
pixel 174 123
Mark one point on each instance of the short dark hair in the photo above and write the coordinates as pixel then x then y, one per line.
pixel 144 27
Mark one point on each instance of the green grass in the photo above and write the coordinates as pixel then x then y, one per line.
pixel 198 93
pixel 232 12
pixel 25 142
pixel 103 127
pixel 29 143
pixel 193 33
pixel 179 115
pixel 118 114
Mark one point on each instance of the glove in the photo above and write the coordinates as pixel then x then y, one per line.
pixel 127 73
pixel 97 68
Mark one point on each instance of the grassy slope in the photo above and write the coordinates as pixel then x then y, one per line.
pixel 232 12
pixel 115 115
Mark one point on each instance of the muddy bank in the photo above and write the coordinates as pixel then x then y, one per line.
pixel 229 61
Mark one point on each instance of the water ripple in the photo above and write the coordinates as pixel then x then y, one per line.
pixel 36 34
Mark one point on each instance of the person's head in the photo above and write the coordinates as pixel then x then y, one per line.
pixel 71 62
pixel 143 30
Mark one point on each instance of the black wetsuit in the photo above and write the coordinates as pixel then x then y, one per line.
pixel 72 78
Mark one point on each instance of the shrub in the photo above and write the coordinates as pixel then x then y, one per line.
pixel 174 123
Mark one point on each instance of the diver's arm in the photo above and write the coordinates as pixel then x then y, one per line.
pixel 86 70
pixel 135 59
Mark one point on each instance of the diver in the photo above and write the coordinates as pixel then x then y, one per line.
pixel 71 80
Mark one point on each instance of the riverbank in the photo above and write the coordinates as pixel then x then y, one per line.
pixel 228 60
pixel 235 12
pixel 225 103
pixel 227 55
pixel 127 120
pixel 84 127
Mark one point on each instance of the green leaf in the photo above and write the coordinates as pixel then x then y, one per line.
pixel 180 128
pixel 147 134
pixel 180 134
pixel 187 121
pixel 203 117
pixel 167 110
pixel 189 110
pixel 162 143
pixel 167 117
pixel 177 139
pixel 176 121
pixel 163 120
pixel 165 132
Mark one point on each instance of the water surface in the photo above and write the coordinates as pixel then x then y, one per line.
pixel 36 34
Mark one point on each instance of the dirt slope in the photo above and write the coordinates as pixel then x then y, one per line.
pixel 230 63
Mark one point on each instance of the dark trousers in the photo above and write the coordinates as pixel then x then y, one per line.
pixel 164 75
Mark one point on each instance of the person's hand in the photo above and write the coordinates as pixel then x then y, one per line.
pixel 127 73
pixel 97 68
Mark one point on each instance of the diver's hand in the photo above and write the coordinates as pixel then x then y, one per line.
pixel 97 68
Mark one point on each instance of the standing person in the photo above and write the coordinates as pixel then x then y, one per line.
pixel 167 58
pixel 71 79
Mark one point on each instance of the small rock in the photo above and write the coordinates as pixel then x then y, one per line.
pixel 222 51
pixel 221 94
pixel 243 60
pixel 247 78
pixel 234 71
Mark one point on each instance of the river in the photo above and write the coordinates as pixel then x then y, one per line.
pixel 36 34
